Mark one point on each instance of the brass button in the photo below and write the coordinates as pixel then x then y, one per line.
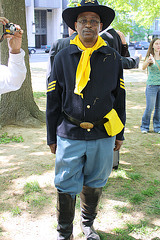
pixel 88 106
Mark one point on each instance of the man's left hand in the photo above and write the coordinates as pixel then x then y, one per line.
pixel 118 144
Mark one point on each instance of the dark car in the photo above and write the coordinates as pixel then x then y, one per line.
pixel 141 45
pixel 31 50
pixel 46 48
pixel 131 44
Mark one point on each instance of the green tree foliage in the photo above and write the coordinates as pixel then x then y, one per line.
pixel 147 12
pixel 139 33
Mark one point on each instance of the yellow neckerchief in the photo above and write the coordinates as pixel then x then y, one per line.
pixel 84 68
pixel 114 124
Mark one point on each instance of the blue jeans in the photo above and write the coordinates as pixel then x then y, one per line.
pixel 80 162
pixel 152 101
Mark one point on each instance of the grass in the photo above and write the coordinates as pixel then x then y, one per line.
pixel 31 187
pixel 16 211
pixel 130 205
pixel 5 138
pixel 150 191
pixel 143 228
pixel 35 196
pixel 123 209
pixel 154 208
pixel 38 95
pixel 136 198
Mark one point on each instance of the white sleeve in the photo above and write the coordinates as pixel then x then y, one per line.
pixel 12 77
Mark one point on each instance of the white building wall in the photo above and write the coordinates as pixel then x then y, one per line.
pixel 30 24
pixel 50 29
pixel 54 25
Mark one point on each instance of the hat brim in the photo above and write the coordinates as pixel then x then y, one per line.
pixel 106 14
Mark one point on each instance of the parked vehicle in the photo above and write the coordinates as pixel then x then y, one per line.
pixel 141 45
pixel 31 50
pixel 131 44
pixel 46 48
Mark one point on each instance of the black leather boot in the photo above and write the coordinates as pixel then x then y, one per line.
pixel 89 204
pixel 65 215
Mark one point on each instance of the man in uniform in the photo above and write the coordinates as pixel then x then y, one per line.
pixel 85 115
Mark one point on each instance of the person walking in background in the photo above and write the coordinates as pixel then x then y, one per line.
pixel 116 40
pixel 85 115
pixel 13 75
pixel 57 46
pixel 152 63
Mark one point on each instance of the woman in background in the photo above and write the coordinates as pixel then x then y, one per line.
pixel 152 63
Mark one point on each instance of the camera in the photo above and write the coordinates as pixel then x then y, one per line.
pixel 9 28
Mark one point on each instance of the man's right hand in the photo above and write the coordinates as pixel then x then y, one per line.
pixel 53 148
pixel 139 55
pixel 14 41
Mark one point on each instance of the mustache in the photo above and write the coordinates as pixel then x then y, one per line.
pixel 88 30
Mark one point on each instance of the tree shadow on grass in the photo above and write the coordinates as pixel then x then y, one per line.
pixel 123 236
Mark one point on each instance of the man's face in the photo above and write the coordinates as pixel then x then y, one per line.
pixel 88 26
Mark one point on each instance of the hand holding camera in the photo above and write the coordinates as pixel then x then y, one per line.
pixel 152 58
pixel 13 33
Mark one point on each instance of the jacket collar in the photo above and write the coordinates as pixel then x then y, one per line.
pixel 74 49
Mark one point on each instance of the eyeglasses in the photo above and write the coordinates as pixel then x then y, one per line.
pixel 92 22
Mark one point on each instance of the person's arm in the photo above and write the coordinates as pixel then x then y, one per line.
pixel 52 53
pixel 124 45
pixel 146 63
pixel 125 51
pixel 131 62
pixel 12 77
pixel 15 41
pixel 53 110
pixel 119 106
pixel 118 144
pixel 53 148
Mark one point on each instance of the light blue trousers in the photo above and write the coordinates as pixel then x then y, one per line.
pixel 80 162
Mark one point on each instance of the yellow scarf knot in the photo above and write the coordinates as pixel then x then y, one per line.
pixel 84 68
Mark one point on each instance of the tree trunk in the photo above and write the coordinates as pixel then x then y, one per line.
pixel 18 107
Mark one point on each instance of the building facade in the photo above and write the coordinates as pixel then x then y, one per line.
pixel 44 21
pixel 156 28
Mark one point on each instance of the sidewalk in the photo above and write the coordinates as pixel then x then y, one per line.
pixel 135 75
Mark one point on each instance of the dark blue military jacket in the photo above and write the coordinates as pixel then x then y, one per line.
pixel 104 91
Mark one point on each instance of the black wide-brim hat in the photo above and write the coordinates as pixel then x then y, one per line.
pixel 106 14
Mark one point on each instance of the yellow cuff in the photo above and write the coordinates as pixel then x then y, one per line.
pixel 114 125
